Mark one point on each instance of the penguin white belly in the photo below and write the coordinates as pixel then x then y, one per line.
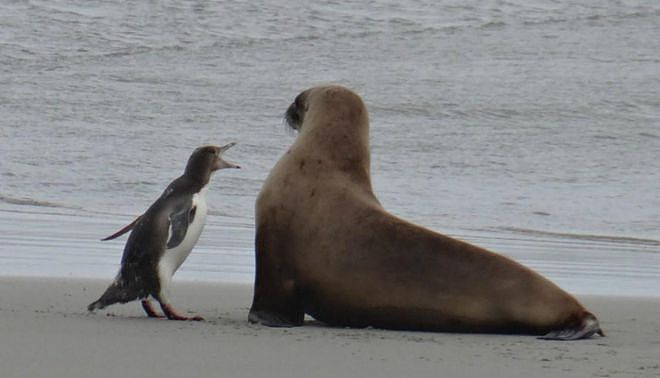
pixel 173 257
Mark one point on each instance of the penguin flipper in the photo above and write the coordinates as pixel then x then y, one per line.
pixel 179 222
pixel 124 230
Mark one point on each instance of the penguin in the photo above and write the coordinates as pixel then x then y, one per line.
pixel 163 237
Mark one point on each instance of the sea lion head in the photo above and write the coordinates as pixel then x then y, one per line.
pixel 334 103
pixel 333 128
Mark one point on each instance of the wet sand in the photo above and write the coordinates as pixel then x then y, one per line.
pixel 46 331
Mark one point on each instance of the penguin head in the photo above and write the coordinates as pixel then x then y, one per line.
pixel 206 160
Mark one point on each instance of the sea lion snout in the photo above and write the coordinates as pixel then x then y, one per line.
pixel 292 117
pixel 295 114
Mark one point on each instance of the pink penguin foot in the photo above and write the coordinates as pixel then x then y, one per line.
pixel 173 315
pixel 150 310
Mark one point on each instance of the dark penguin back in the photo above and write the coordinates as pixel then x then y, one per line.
pixel 170 214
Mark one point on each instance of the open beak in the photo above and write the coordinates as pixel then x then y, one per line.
pixel 223 163
pixel 226 147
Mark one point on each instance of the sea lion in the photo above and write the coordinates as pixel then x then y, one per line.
pixel 163 237
pixel 326 247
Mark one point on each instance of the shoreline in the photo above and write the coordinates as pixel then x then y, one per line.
pixel 46 331
pixel 57 245
pixel 67 245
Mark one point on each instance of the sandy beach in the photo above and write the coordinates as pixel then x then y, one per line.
pixel 46 332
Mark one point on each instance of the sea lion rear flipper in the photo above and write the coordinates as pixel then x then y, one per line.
pixel 584 330
pixel 123 230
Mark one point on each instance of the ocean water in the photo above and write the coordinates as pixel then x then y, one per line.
pixel 528 127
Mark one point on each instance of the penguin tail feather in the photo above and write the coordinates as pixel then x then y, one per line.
pixel 115 293
pixel 94 306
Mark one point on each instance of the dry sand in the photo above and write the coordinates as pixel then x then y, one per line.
pixel 46 332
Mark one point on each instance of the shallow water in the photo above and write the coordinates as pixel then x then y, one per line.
pixel 532 128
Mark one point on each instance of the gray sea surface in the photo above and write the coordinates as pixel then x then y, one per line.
pixel 528 127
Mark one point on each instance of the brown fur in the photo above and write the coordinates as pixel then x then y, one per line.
pixel 326 247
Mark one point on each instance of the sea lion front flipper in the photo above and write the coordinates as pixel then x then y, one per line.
pixel 270 319
pixel 276 302
pixel 123 230
pixel 276 305
pixel 586 328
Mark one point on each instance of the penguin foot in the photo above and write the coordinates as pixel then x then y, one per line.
pixel 173 315
pixel 150 310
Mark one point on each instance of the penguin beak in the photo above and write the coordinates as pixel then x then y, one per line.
pixel 226 147
pixel 221 163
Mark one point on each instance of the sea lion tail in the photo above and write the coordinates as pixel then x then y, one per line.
pixel 583 329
